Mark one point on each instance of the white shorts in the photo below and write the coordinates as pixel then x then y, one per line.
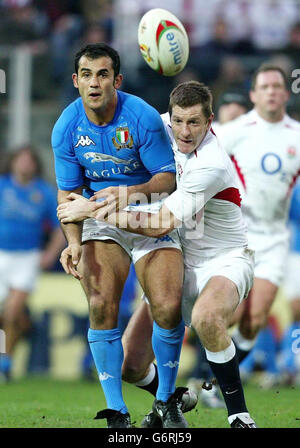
pixel 270 256
pixel 236 264
pixel 135 245
pixel 291 283
pixel 18 270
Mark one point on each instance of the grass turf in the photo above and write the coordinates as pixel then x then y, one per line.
pixel 47 403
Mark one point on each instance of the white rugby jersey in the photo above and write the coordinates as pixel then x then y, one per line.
pixel 206 187
pixel 267 160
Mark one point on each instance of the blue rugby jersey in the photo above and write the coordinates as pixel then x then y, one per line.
pixel 294 219
pixel 127 151
pixel 25 211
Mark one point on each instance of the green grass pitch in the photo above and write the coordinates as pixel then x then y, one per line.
pixel 48 403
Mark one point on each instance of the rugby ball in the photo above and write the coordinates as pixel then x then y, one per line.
pixel 163 42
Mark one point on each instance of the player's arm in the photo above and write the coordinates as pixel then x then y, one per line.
pixel 182 206
pixel 117 198
pixel 148 224
pixel 70 256
pixel 69 178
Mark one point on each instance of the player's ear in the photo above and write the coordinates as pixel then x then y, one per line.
pixel 118 81
pixel 75 83
pixel 210 120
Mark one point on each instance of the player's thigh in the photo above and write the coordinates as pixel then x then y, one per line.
pixel 160 273
pixel 137 343
pixel 239 311
pixel 15 304
pixel 217 301
pixel 261 298
pixel 104 266
pixel 295 308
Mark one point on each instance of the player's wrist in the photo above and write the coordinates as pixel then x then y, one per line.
pixel 92 210
pixel 74 243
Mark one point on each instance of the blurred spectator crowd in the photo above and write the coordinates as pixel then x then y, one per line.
pixel 229 39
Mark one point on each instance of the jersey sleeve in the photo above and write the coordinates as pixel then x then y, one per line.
pixel 68 171
pixel 198 187
pixel 156 152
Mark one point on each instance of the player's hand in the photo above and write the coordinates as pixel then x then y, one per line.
pixel 69 259
pixel 76 209
pixel 113 199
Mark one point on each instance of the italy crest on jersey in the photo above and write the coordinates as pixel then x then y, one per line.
pixel 123 139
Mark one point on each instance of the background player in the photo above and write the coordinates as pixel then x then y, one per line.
pixel 28 210
pixel 289 352
pixel 114 142
pixel 231 105
pixel 264 146
pixel 218 265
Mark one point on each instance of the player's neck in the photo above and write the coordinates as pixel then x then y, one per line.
pixel 271 117
pixel 103 115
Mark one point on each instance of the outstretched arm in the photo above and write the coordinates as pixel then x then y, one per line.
pixel 148 224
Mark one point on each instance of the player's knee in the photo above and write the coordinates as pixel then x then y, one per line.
pixel 251 327
pixel 167 313
pixel 132 372
pixel 209 326
pixel 12 315
pixel 102 311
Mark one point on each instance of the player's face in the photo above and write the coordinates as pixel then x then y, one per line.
pixel 96 82
pixel 24 165
pixel 270 94
pixel 189 126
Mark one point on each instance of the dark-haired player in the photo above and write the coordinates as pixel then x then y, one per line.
pixel 110 144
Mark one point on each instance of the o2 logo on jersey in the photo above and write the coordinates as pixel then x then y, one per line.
pixel 271 163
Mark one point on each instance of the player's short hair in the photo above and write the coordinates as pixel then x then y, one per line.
pixel 98 50
pixel 189 94
pixel 268 68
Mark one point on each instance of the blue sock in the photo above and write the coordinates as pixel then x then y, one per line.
pixel 248 362
pixel 263 353
pixel 286 348
pixel 267 344
pixel 5 363
pixel 107 350
pixel 167 347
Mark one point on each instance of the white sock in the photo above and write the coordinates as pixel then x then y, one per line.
pixel 222 356
pixel 148 378
pixel 241 341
